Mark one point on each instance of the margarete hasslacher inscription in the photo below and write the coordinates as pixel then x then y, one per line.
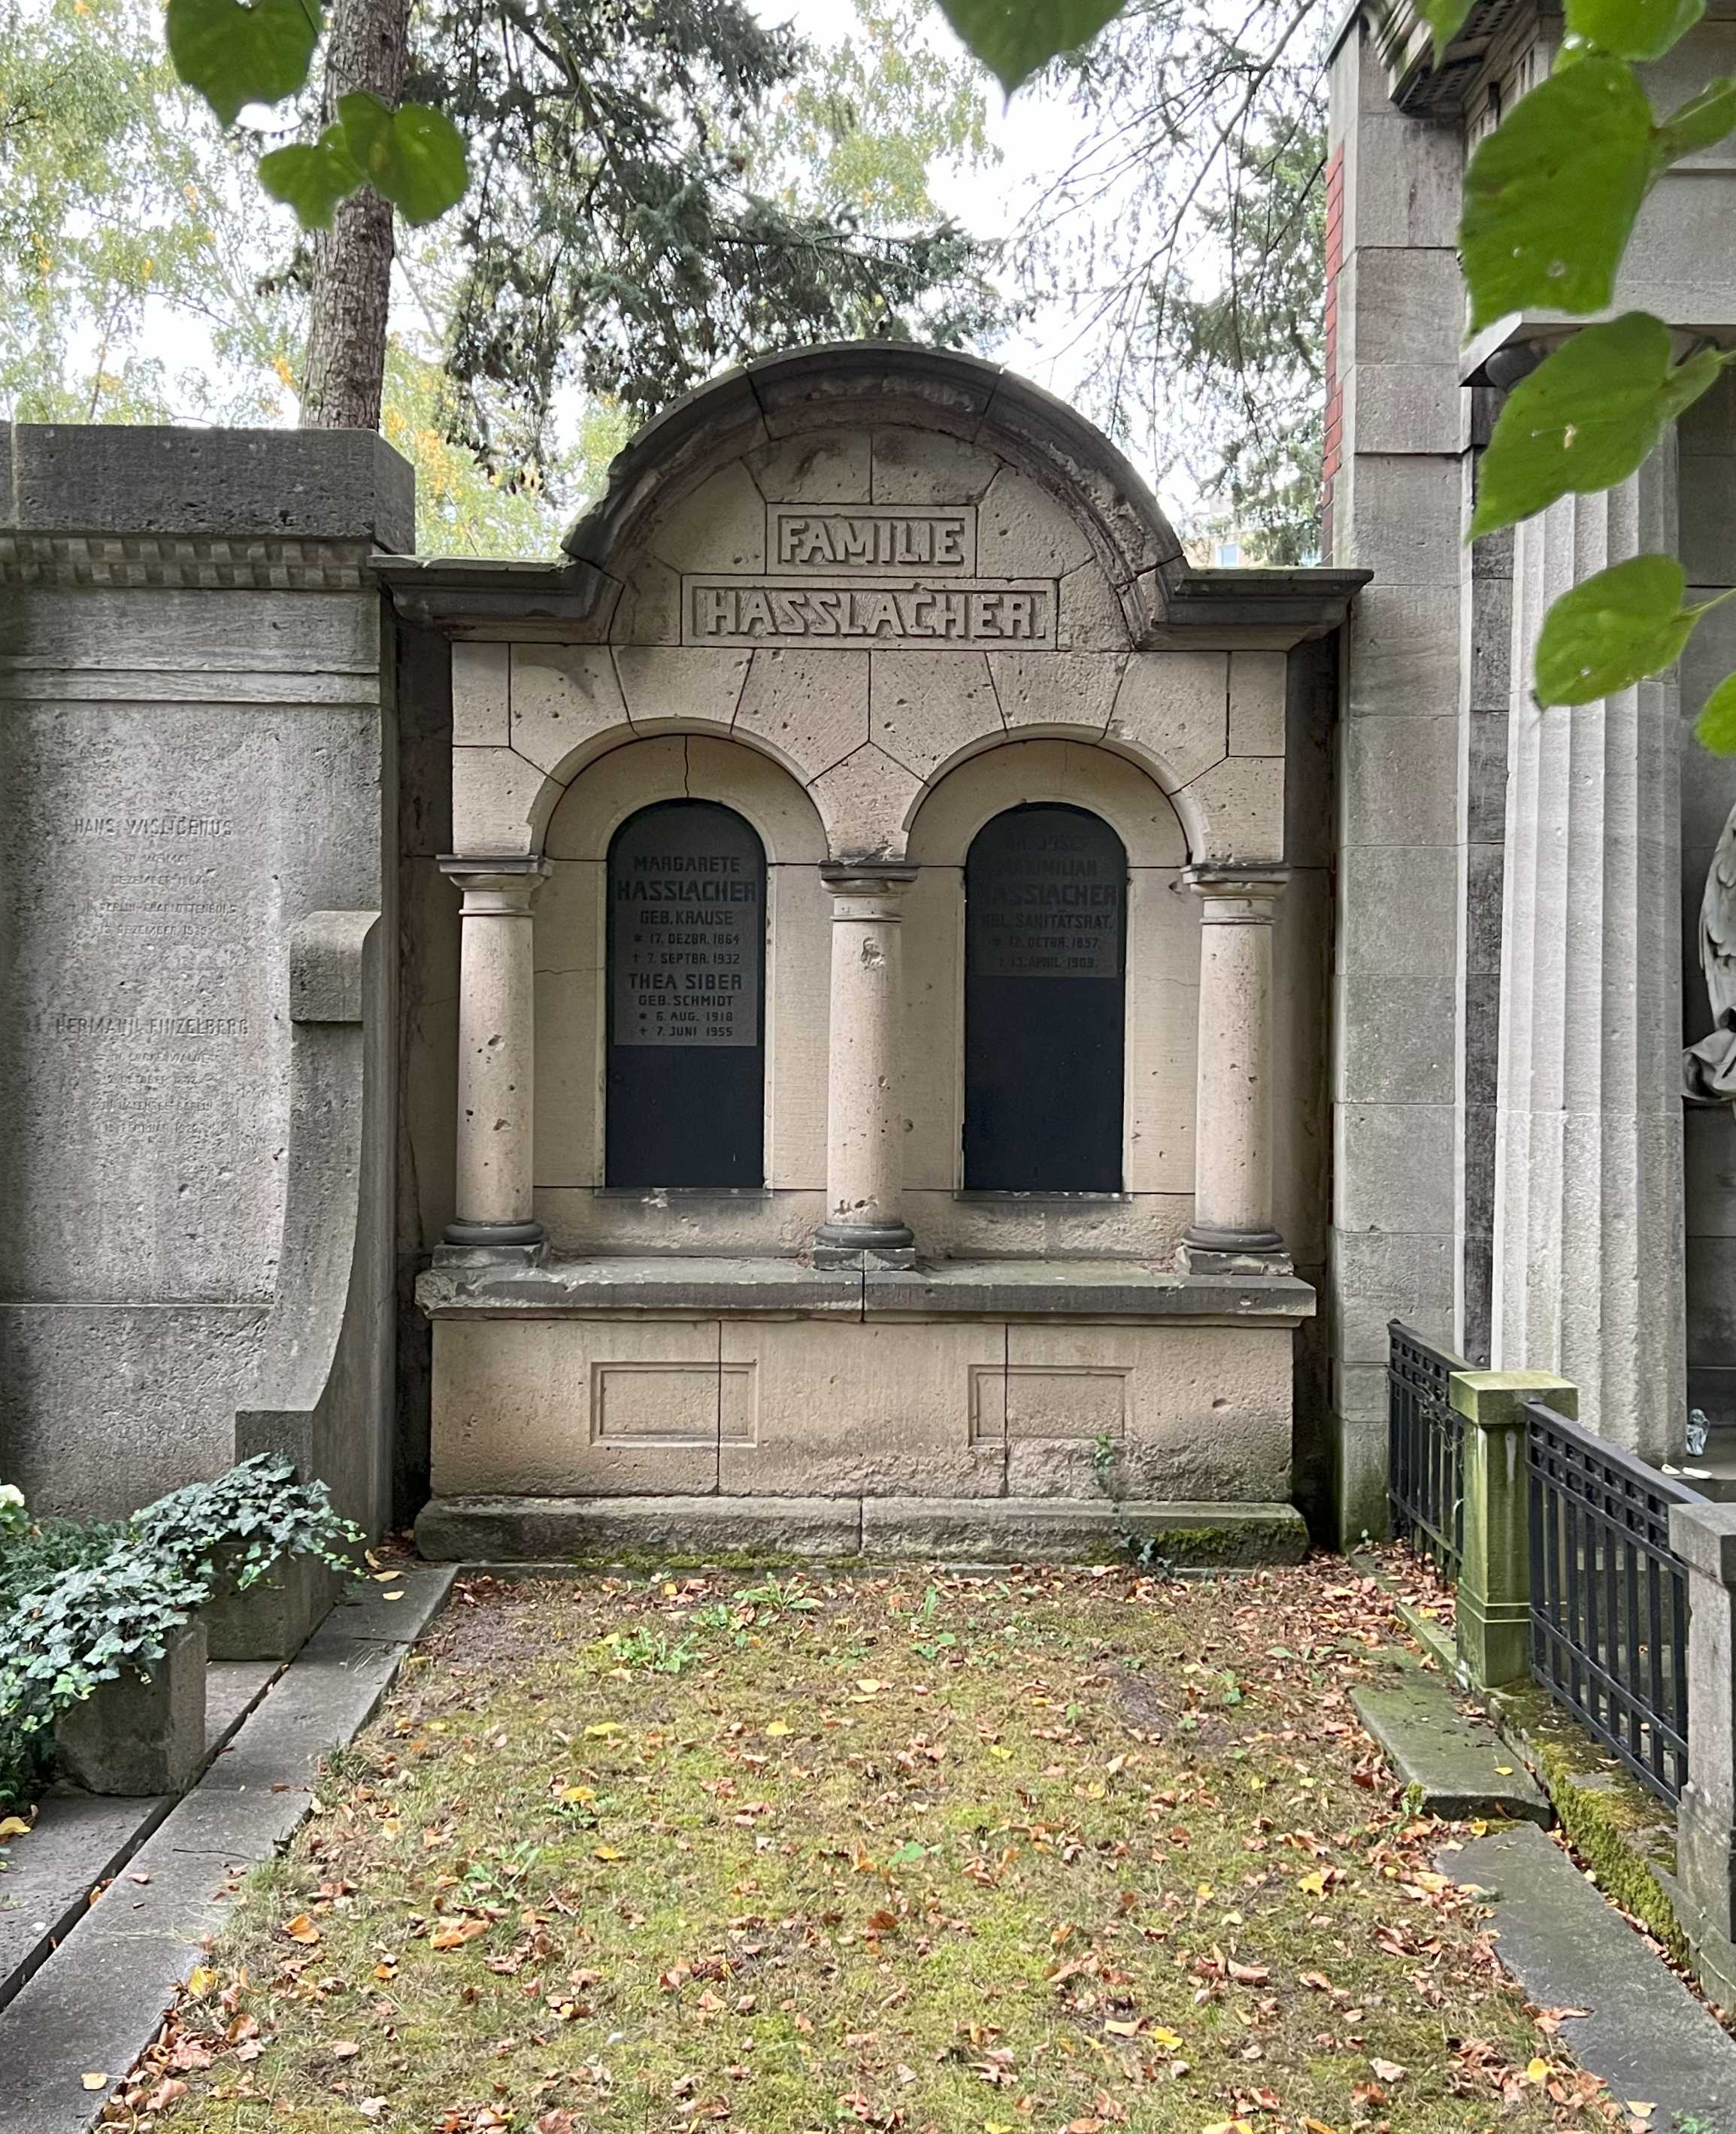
pixel 686 1085
pixel 867 537
pixel 685 920
pixel 769 611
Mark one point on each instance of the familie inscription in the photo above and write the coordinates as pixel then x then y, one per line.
pixel 866 574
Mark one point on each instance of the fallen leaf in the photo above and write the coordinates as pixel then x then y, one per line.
pixel 302 1928
pixel 602 1729
pixel 373 2107
pixel 200 1979
pixel 13 1826
pixel 778 1729
pixel 1388 2070
pixel 871 1687
pixel 455 1936
pixel 398 1595
pixel 94 2081
pixel 605 1852
pixel 1537 2071
pixel 345 2049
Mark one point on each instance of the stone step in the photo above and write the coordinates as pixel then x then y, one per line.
pixel 1641 2030
pixel 1459 1766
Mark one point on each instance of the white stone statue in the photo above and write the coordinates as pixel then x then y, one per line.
pixel 1709 1068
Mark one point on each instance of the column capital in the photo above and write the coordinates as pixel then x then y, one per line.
pixel 1237 896
pixel 868 877
pixel 499 886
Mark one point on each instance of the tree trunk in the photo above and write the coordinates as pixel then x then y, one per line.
pixel 352 269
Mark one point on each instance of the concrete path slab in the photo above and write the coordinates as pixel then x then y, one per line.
pixel 97 2001
pixel 77 1840
pixel 1459 1766
pixel 1645 2033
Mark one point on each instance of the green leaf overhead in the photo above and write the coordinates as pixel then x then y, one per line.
pixel 1551 196
pixel 1715 728
pixel 1585 417
pixel 413 156
pixel 1618 627
pixel 312 178
pixel 1013 38
pixel 235 56
pixel 1701 123
pixel 1631 29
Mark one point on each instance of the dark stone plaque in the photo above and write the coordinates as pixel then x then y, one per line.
pixel 1045 901
pixel 686 965
pixel 1047 889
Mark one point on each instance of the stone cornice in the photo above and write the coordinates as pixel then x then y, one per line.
pixel 77 562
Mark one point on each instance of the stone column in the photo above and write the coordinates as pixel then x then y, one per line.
pixel 1704 1536
pixel 1588 1255
pixel 865 1134
pixel 496 997
pixel 1232 1230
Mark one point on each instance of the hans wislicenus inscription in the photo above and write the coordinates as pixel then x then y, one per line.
pixel 863 575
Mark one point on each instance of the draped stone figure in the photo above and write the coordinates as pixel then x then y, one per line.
pixel 1709 1068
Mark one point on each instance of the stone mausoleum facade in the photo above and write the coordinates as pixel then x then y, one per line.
pixel 888 1092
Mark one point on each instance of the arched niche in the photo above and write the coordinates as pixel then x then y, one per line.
pixel 1152 1207
pixel 582 1211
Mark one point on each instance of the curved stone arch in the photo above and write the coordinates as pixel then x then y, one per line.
pixel 698 766
pixel 1047 770
pixel 882 385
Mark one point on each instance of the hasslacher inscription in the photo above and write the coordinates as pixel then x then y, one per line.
pixel 770 611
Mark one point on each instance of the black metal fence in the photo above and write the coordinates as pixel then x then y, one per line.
pixel 1609 1597
pixel 1425 1444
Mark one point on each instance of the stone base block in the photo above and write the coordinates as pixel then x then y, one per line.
pixel 138 1735
pixel 969 1529
pixel 274 1617
pixel 1060 1530
pixel 509 1529
pixel 757 1380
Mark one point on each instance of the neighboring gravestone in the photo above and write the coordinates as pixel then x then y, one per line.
pixel 687 1036
pixel 194 752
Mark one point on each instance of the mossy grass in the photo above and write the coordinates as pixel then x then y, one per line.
pixel 1067 1849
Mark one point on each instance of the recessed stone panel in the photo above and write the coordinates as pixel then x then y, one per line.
pixel 1062 1401
pixel 145 1047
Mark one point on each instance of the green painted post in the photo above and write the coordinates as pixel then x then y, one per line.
pixel 1495 1572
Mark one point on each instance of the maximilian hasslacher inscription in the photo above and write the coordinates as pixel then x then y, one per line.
pixel 869 575
pixel 686 923
pixel 1048 901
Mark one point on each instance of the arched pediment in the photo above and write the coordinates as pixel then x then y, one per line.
pixel 768 415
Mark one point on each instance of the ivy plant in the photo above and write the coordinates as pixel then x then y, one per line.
pixel 240 1524
pixel 1550 199
pixel 92 1622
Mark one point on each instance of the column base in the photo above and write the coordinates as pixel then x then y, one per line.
pixel 1206 1249
pixel 864 1245
pixel 491 1244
